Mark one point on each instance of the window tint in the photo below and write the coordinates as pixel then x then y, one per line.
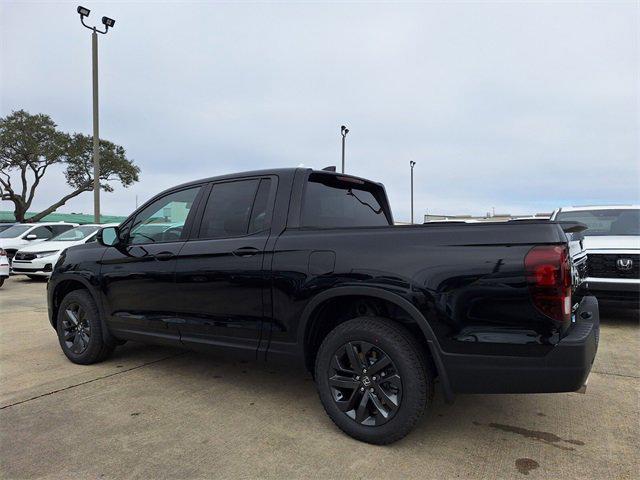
pixel 330 202
pixel 258 221
pixel 164 219
pixel 228 209
pixel 41 232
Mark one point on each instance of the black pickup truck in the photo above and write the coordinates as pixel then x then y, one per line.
pixel 307 267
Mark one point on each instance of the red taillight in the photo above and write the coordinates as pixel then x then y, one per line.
pixel 549 279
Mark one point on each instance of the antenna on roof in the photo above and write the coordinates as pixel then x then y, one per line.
pixel 332 168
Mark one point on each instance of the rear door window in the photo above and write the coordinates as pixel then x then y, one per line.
pixel 230 209
pixel 259 220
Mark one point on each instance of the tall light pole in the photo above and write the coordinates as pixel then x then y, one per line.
pixel 343 131
pixel 107 22
pixel 412 164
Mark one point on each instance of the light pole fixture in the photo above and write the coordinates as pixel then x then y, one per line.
pixel 343 131
pixel 412 164
pixel 108 23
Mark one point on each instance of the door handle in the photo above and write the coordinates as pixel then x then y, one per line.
pixel 164 256
pixel 245 252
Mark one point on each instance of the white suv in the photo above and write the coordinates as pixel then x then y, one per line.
pixel 39 259
pixel 612 244
pixel 22 234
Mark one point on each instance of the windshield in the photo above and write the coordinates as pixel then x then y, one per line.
pixel 605 222
pixel 15 231
pixel 75 234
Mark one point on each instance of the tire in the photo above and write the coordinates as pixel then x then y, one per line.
pixel 381 338
pixel 36 278
pixel 85 345
pixel 1 281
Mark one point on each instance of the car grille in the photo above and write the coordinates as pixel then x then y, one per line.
pixel 606 266
pixel 24 256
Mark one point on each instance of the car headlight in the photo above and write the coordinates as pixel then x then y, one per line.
pixel 45 254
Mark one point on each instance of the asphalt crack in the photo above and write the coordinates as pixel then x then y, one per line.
pixel 53 392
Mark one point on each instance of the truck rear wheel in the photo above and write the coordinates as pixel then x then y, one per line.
pixel 373 379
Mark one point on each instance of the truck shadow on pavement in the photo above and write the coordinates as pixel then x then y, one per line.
pixel 506 418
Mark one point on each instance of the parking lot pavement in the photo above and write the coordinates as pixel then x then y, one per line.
pixel 152 412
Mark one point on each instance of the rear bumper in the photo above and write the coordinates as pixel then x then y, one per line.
pixel 564 369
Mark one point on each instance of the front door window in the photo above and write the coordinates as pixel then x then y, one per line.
pixel 163 220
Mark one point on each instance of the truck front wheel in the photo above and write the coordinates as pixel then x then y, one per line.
pixel 79 329
pixel 373 379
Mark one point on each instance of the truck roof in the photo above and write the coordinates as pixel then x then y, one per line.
pixel 273 171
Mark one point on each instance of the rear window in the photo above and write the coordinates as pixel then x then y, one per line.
pixel 605 222
pixel 330 201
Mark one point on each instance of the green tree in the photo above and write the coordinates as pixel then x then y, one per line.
pixel 30 144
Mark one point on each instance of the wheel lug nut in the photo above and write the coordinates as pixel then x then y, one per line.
pixel 362 389
pixel 373 378
pixel 357 377
pixel 371 389
pixel 364 370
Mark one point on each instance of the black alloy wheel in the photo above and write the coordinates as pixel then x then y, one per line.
pixel 79 329
pixel 365 383
pixel 76 328
pixel 373 379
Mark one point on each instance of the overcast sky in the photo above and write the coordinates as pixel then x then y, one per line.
pixel 518 106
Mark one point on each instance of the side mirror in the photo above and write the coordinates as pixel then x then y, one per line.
pixel 31 236
pixel 109 236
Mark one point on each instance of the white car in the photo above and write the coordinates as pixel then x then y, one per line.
pixel 38 260
pixel 22 234
pixel 4 266
pixel 612 244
